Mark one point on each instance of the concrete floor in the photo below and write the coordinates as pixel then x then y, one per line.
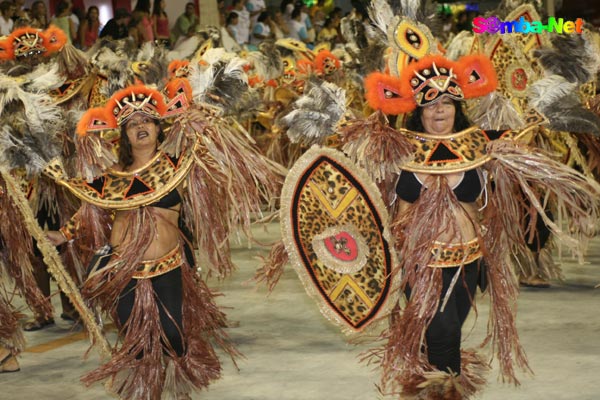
pixel 293 353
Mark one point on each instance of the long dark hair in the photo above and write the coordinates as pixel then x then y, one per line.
pixel 125 153
pixel 156 10
pixel 461 121
pixel 142 5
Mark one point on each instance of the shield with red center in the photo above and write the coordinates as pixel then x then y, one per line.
pixel 333 224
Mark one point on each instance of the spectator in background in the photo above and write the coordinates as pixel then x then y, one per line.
pixel 297 27
pixel 462 22
pixel 135 29
pixel 116 27
pixel 141 14
pixel 243 26
pixel 317 18
pixel 329 33
pixel 20 15
pixel 77 15
pixel 39 15
pixel 63 20
pixel 160 23
pixel 227 34
pixel 89 28
pixel 279 27
pixel 305 19
pixel 185 26
pixel 262 29
pixel 255 8
pixel 7 9
pixel 286 7
pixel 231 24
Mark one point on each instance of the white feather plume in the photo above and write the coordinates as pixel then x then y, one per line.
pixel 460 45
pixel 316 114
pixel 235 69
pixel 410 8
pixel 44 78
pixel 547 91
pixel 185 49
pixel 381 14
pixel 200 78
pixel 146 52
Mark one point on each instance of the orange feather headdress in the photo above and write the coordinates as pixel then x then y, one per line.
pixel 419 75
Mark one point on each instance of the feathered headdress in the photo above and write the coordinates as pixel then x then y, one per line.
pixel 326 62
pixel 418 75
pixel 32 125
pixel 98 125
pixel 27 42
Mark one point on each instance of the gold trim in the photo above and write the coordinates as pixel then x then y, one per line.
pixel 160 266
pixel 167 182
pixel 468 145
pixel 348 281
pixel 446 255
pixel 287 194
pixel 79 85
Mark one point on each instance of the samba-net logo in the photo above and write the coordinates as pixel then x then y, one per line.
pixel 495 25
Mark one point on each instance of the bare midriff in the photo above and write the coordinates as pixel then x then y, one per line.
pixel 166 232
pixel 464 219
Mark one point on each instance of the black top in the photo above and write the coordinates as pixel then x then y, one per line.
pixel 468 189
pixel 170 200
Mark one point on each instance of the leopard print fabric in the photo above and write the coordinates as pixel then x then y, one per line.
pixel 330 198
pixel 128 190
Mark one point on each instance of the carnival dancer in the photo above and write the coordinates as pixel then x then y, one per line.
pixel 16 277
pixel 11 338
pixel 196 175
pixel 454 194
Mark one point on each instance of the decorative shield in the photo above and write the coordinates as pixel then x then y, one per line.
pixel 333 224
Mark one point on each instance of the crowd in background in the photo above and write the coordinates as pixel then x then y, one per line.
pixel 244 23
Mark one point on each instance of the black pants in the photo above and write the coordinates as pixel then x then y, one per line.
pixel 49 220
pixel 168 289
pixel 443 335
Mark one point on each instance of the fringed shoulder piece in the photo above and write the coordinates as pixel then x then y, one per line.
pixel 375 146
pixel 228 185
pixel 542 180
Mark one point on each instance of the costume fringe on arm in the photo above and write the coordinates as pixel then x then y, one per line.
pixel 375 146
pixel 240 181
pixel 575 196
pixel 503 289
pixel 205 213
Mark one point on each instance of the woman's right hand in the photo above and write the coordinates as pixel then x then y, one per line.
pixel 56 237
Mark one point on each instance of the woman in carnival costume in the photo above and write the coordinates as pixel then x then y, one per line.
pixel 33 66
pixel 181 182
pixel 457 213
pixel 44 77
pixel 455 195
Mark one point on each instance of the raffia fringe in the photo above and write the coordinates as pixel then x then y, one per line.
pixel 271 268
pixel 55 267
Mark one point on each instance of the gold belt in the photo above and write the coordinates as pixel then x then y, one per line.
pixel 454 254
pixel 152 268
